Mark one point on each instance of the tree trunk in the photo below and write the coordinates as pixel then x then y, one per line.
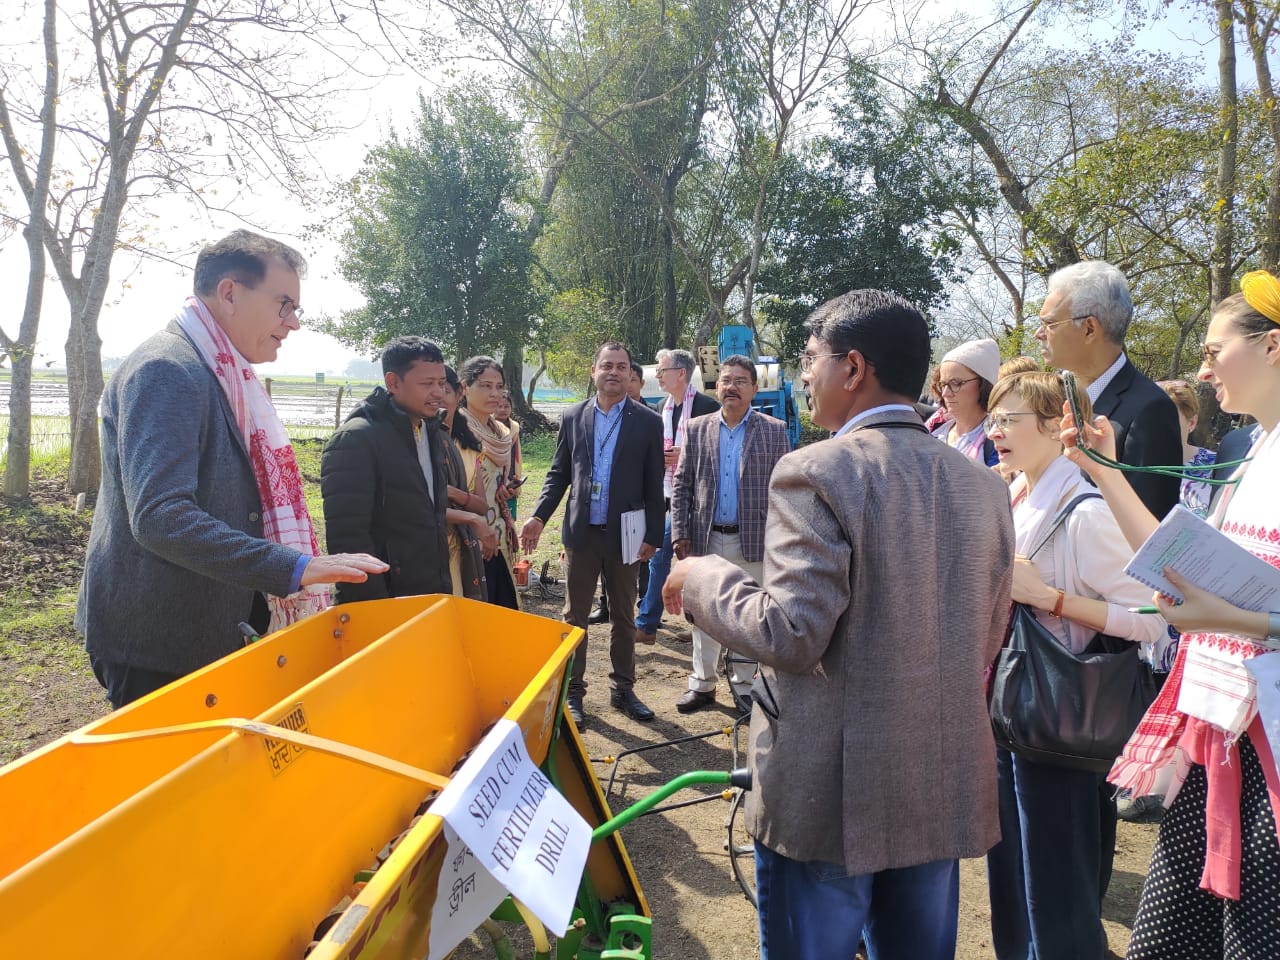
pixel 1223 234
pixel 84 350
pixel 533 381
pixel 1258 35
pixel 17 476
pixel 17 471
pixel 671 320
pixel 513 373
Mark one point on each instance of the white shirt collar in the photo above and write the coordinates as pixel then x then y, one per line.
pixel 854 421
pixel 1095 389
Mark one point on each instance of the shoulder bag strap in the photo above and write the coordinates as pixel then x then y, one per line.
pixel 1060 519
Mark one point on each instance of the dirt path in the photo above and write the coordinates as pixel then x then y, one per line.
pixel 46 690
pixel 680 857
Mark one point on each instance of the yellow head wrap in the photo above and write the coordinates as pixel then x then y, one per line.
pixel 1262 292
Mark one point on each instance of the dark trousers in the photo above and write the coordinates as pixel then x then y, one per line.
pixel 1043 874
pixel 599 556
pixel 498 582
pixel 644 585
pixel 125 684
pixel 815 911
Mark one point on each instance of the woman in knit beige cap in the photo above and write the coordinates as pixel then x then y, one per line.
pixel 968 373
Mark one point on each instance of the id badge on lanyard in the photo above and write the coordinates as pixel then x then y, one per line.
pixel 597 491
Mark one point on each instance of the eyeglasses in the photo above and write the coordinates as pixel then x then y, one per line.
pixel 287 307
pixel 661 370
pixel 806 359
pixel 287 304
pixel 1211 355
pixel 1002 421
pixel 1046 325
pixel 954 385
pixel 741 383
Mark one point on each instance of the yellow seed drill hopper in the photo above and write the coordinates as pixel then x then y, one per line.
pixel 183 826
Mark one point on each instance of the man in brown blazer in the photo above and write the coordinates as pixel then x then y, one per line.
pixel 719 503
pixel 887 568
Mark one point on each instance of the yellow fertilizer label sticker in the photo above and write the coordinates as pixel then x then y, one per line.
pixel 279 752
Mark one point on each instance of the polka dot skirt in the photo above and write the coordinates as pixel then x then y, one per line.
pixel 1179 921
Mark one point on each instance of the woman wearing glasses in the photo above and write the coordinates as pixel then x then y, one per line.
pixel 1211 888
pixel 965 378
pixel 483 384
pixel 1043 876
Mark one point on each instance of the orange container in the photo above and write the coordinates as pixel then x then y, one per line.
pixel 154 832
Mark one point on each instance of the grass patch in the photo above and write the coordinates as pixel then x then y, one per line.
pixel 46 686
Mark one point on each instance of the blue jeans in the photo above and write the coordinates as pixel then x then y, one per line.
pixel 1043 875
pixel 650 614
pixel 814 911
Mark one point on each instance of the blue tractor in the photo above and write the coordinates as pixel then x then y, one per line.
pixel 773 391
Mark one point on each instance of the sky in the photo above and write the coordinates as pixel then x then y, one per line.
pixel 145 294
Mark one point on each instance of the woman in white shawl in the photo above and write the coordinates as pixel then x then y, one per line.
pixel 1043 876
pixel 1211 888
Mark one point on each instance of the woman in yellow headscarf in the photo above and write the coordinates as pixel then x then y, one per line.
pixel 1212 887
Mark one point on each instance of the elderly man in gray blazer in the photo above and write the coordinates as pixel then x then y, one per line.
pixel 887 570
pixel 719 504
pixel 178 557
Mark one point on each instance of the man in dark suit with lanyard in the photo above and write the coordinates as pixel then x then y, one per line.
pixel 609 459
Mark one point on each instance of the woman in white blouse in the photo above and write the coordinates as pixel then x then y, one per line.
pixel 1043 877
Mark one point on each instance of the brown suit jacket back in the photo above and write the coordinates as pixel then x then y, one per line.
pixel 887 569
pixel 697 486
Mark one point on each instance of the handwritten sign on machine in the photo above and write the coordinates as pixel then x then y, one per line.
pixel 521 829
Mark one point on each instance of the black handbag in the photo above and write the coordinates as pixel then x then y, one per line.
pixel 1053 706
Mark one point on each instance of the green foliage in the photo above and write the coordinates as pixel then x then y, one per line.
pixel 437 240
pixel 856 210
pixel 581 323
pixel 609 233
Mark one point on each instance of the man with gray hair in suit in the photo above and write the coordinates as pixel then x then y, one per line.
pixel 1083 323
pixel 882 605
pixel 684 401
pixel 201 526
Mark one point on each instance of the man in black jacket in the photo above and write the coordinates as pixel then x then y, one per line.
pixel 383 477
pixel 1082 328
pixel 609 460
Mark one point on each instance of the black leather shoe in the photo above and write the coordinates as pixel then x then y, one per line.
pixel 598 614
pixel 630 704
pixel 696 700
pixel 574 706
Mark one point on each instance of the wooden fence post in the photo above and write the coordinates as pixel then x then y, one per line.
pixel 266 382
pixel 337 409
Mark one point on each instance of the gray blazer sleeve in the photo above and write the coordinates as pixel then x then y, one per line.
pixel 159 450
pixel 787 625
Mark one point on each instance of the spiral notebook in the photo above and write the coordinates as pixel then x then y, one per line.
pixel 1207 557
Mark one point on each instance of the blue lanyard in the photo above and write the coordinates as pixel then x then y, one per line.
pixel 605 442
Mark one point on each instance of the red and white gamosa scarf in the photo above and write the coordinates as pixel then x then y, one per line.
pixel 1209 699
pixel 285 519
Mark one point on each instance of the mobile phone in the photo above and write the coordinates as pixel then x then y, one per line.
pixel 512 484
pixel 1073 400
